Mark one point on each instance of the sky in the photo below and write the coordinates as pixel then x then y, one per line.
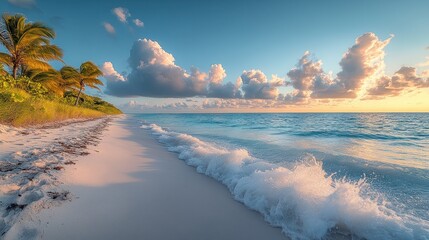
pixel 246 56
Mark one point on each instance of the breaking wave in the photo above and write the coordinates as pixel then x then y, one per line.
pixel 304 201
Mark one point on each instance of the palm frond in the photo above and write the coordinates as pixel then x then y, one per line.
pixel 71 73
pixel 28 43
pixel 5 59
pixel 89 69
pixel 45 52
pixel 36 64
pixel 50 79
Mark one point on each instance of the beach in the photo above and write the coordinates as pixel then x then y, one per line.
pixel 130 187
pixel 218 120
pixel 211 176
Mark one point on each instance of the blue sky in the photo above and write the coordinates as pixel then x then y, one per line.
pixel 240 35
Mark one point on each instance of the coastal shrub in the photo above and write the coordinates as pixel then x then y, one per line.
pixel 13 96
pixel 33 111
pixel 90 102
pixel 20 108
pixel 25 83
pixel 7 82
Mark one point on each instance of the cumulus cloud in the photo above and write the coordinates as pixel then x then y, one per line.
pixel 216 87
pixel 255 85
pixel 138 22
pixel 303 78
pixel 362 62
pixel 23 3
pixel 109 28
pixel 121 13
pixel 403 79
pixel 155 74
pixel 110 73
pixel 147 52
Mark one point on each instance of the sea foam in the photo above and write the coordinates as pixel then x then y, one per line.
pixel 304 201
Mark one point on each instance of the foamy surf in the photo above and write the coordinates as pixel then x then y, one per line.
pixel 304 201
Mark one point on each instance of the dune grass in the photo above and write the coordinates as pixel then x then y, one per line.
pixel 18 108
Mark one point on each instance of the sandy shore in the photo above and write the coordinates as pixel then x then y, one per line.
pixel 131 187
pixel 30 161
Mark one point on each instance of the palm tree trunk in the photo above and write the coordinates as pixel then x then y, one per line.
pixel 78 95
pixel 15 70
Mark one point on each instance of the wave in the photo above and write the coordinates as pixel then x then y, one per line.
pixel 304 201
pixel 348 134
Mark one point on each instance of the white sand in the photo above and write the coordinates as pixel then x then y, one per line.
pixel 30 160
pixel 131 187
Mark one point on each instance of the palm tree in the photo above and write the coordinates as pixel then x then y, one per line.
pixel 27 43
pixel 86 75
pixel 52 80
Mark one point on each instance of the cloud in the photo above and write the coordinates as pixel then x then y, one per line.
pixel 179 106
pixel 255 85
pixel 303 78
pixel 221 103
pixel 23 3
pixel 121 13
pixel 206 105
pixel 296 97
pixel 239 103
pixel 147 52
pixel 403 79
pixel 138 22
pixel 155 74
pixel 110 73
pixel 365 59
pixel 362 62
pixel 216 87
pixel 109 28
pixel 217 74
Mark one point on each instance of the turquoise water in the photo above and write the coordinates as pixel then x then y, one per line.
pixel 368 169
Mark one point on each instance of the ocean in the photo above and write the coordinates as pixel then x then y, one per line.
pixel 314 175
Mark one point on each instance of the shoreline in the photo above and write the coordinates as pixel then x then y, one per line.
pixel 123 178
pixel 130 186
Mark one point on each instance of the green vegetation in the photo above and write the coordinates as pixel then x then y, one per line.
pixel 32 92
pixel 85 76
